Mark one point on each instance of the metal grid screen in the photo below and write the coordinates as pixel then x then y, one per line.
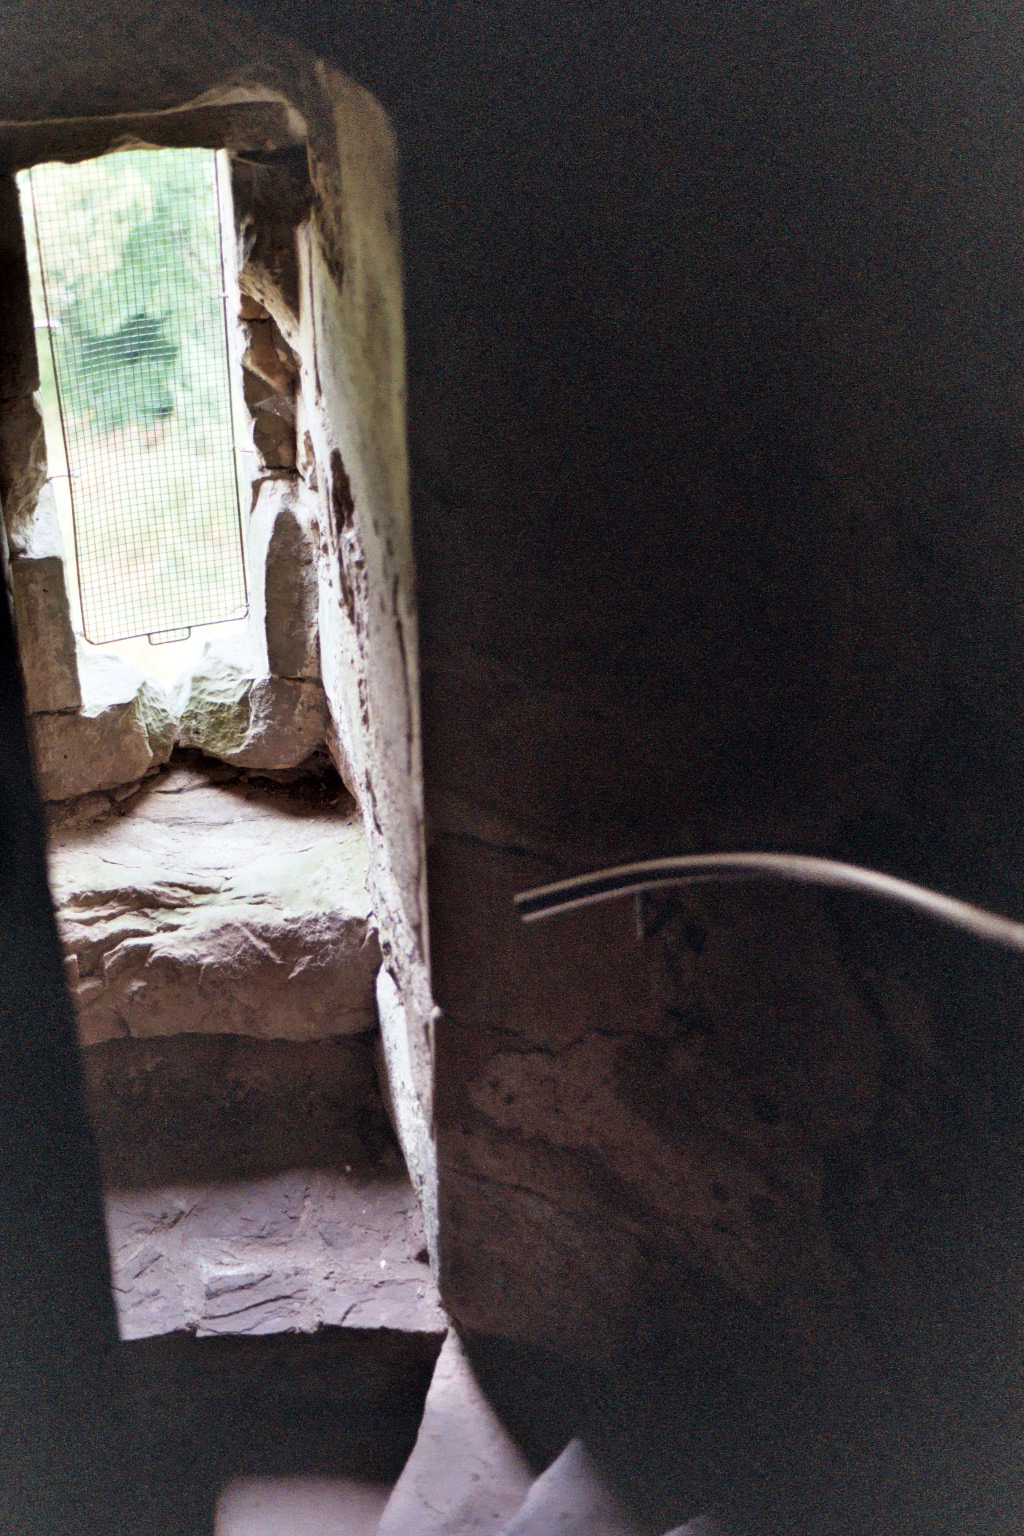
pixel 126 259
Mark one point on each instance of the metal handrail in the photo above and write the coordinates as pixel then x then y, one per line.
pixel 699 868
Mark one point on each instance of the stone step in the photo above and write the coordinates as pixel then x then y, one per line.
pixel 194 1109
pixel 294 1251
pixel 299 1506
pixel 207 902
pixel 259 1422
pixel 573 1499
pixel 465 1476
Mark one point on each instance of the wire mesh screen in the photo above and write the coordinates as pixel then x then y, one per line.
pixel 126 260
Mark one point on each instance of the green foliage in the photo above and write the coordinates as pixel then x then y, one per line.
pixel 130 255
pixel 125 264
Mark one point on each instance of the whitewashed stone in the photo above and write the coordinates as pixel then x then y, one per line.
pixel 402 1099
pixel 271 723
pixel 124 728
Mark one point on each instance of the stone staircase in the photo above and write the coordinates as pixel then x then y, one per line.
pixel 284 1347
pixel 465 1476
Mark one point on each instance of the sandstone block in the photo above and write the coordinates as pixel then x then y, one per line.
pixel 46 641
pixel 284 949
pixel 22 463
pixel 271 723
pixel 124 728
pixel 269 356
pixel 251 309
pixel 273 422
pixel 284 552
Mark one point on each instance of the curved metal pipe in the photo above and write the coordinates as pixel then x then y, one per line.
pixel 695 868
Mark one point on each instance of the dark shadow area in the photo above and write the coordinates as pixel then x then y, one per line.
pixel 338 1403
pixel 187 1107
pixel 644 1419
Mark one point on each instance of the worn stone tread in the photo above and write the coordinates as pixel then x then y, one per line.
pixel 573 1499
pixel 290 1252
pixel 465 1477
pixel 216 907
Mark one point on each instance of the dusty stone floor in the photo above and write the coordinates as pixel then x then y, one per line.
pixel 298 1249
pixel 300 1506
pixel 222 953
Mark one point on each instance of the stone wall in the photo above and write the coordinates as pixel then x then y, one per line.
pixel 331 654
pixel 714 424
pixel 97 725
pixel 715 456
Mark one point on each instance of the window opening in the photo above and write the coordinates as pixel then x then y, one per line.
pixel 128 277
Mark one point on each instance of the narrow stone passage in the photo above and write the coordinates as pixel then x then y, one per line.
pixel 222 953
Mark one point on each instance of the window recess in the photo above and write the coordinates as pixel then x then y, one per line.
pixel 126 259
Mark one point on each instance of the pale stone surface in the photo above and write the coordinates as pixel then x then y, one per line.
pixel 39 536
pixel 46 641
pixel 283 544
pixel 272 723
pixel 299 1506
pixel 124 728
pixel 210 909
pixel 352 356
pixel 465 1474
pixel 292 1251
pixel 403 1103
pixel 573 1499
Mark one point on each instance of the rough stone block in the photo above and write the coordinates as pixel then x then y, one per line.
pixel 124 728
pixel 285 949
pixel 273 723
pixel 22 465
pixel 269 356
pixel 273 422
pixel 284 553
pixel 46 641
pixel 244 925
pixel 251 309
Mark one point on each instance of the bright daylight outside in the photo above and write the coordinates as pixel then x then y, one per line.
pixel 138 395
